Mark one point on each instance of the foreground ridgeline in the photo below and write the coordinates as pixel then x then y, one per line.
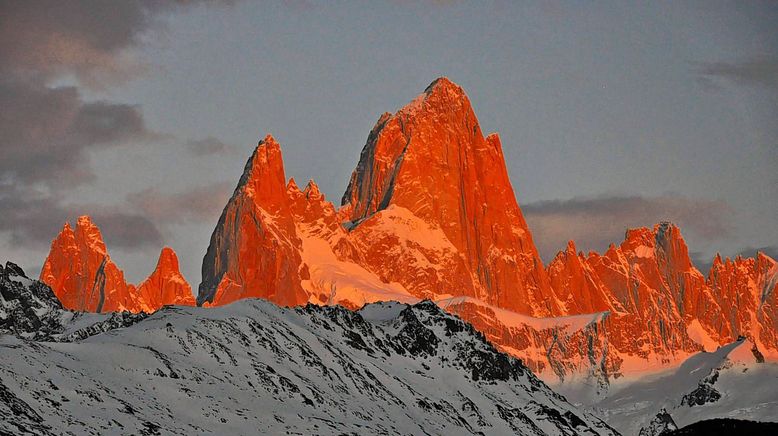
pixel 256 368
pixel 429 213
pixel 84 278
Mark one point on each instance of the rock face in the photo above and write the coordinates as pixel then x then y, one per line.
pixel 26 306
pixel 255 250
pixel 578 287
pixel 429 213
pixel 254 367
pixel 81 272
pixel 431 162
pixel 29 309
pixel 750 287
pixel 166 285
pixel 84 278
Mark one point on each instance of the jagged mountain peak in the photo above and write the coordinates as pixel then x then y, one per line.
pixel 166 285
pixel 312 191
pixel 67 229
pixel 263 177
pixel 89 234
pixel 432 126
pixel 167 259
pixel 444 87
pixel 292 186
pixel 83 276
pixel 255 228
pixel 432 160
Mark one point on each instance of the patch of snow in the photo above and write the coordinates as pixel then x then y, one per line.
pixel 344 281
pixel 644 252
pixel 567 324
pixel 698 334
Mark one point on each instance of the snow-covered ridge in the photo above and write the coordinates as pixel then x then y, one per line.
pixel 29 309
pixel 730 382
pixel 253 367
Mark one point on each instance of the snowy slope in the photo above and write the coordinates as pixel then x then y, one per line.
pixel 731 382
pixel 255 368
pixel 29 309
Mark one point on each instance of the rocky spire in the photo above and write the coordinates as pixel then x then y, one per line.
pixel 166 285
pixel 81 273
pixel 576 284
pixel 254 249
pixel 432 159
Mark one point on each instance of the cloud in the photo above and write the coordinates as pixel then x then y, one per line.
pixel 771 251
pixel 32 220
pixel 199 204
pixel 126 230
pixel 208 146
pixel 47 130
pixel 91 39
pixel 594 223
pixel 759 71
pixel 45 133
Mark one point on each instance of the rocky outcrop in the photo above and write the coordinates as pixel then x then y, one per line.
pixel 85 279
pixel 82 274
pixel 26 306
pixel 166 285
pixel 29 309
pixel 430 167
pixel 748 291
pixel 255 249
pixel 578 287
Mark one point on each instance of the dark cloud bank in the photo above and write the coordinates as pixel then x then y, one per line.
pixel 47 131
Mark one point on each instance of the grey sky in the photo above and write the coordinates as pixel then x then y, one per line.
pixel 654 111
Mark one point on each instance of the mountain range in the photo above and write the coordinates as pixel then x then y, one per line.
pixel 429 213
pixel 255 367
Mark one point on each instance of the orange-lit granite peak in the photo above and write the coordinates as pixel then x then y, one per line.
pixel 429 212
pixel 747 290
pixel 576 284
pixel 255 249
pixel 429 168
pixel 263 178
pixel 81 273
pixel 84 278
pixel 166 285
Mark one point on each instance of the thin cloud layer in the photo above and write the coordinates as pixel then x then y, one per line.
pixel 200 204
pixel 760 71
pixel 594 223
pixel 32 221
pixel 208 146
